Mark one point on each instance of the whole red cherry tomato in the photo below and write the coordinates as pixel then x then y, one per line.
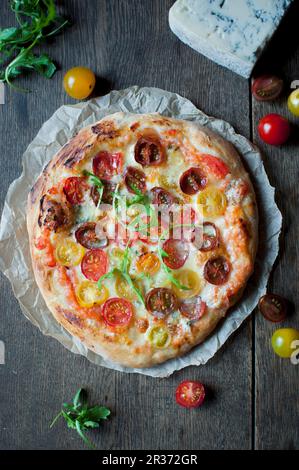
pixel 274 129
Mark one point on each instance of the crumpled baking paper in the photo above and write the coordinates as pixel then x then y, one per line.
pixel 15 259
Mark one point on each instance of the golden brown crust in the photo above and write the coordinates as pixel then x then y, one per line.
pixel 114 131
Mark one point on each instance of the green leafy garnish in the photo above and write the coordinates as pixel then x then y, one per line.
pixel 37 20
pixel 93 179
pixel 78 415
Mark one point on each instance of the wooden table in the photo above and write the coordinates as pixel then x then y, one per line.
pixel 253 395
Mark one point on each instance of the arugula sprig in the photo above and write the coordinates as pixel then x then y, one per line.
pixel 93 179
pixel 37 20
pixel 78 415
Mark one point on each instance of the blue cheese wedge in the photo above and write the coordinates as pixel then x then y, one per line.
pixel 229 32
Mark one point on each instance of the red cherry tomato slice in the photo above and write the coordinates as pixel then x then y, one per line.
pixel 107 196
pixel 193 308
pixel 273 307
pixel 190 394
pixel 210 237
pixel 161 301
pixel 162 197
pixel 192 181
pixel 135 180
pixel 94 264
pixel 177 251
pixel 274 129
pixel 87 237
pixel 267 87
pixel 117 312
pixel 74 188
pixel 215 166
pixel 217 271
pixel 149 151
pixel 105 165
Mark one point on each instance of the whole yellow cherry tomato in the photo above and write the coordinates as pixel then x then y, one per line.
pixel 69 253
pixel 293 102
pixel 88 294
pixel 148 263
pixel 282 341
pixel 189 279
pixel 212 201
pixel 159 337
pixel 79 82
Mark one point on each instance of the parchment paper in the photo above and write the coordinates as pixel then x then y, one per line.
pixel 15 259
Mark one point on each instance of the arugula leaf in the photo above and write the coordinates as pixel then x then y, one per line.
pixel 78 415
pixel 37 20
pixel 97 183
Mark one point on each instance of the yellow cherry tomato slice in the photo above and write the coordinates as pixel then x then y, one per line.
pixel 283 341
pixel 88 294
pixel 159 337
pixel 189 279
pixel 167 182
pixel 79 82
pixel 148 263
pixel 68 253
pixel 124 290
pixel 212 201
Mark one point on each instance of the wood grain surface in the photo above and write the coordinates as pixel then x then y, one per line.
pixel 252 394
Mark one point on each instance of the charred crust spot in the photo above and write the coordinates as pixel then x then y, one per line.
pixel 74 151
pixel 70 316
pixel 105 130
pixel 135 126
pixel 244 227
pixel 51 214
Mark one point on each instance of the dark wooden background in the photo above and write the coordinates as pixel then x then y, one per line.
pixel 253 395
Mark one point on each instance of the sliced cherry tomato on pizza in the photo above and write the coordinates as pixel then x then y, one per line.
pixel 105 164
pixel 74 189
pixel 190 394
pixel 214 165
pixel 162 197
pixel 193 308
pixel 88 294
pixel 94 264
pixel 217 271
pixel 149 151
pixel 192 181
pixel 177 253
pixel 210 237
pixel 117 312
pixel 148 263
pixel 159 336
pixel 273 307
pixel 68 253
pixel 168 182
pixel 189 279
pixel 135 180
pixel 212 201
pixel 86 235
pixel 107 196
pixel 123 289
pixel 161 301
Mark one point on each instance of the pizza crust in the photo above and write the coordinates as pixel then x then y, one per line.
pixel 116 130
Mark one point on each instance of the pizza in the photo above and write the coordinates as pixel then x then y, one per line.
pixel 143 234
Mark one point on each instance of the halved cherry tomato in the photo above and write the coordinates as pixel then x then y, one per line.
pixel 94 264
pixel 214 165
pixel 293 102
pixel 68 253
pixel 273 307
pixel 124 290
pixel 88 294
pixel 162 197
pixel 217 271
pixel 161 301
pixel 74 188
pixel 189 279
pixel 192 181
pixel 193 308
pixel 135 180
pixel 210 237
pixel 79 82
pixel 267 87
pixel 213 202
pixel 87 237
pixel 190 394
pixel 105 164
pixel 177 251
pixel 274 129
pixel 285 341
pixel 117 312
pixel 107 196
pixel 148 263
pixel 149 151
pixel 159 336
pixel 167 181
